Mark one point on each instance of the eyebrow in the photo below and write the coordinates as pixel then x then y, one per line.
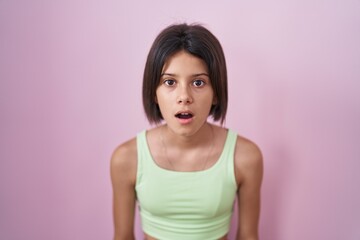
pixel 194 75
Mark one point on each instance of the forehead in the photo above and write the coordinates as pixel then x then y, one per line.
pixel 184 63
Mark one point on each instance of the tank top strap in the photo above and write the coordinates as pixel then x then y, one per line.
pixel 142 154
pixel 229 154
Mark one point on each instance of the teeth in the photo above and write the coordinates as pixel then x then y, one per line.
pixel 184 115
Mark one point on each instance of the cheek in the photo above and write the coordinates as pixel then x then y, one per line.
pixel 159 98
pixel 206 103
pixel 210 98
pixel 163 102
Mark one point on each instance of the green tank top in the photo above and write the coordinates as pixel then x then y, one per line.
pixel 186 205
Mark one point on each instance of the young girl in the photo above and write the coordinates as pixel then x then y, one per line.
pixel 186 172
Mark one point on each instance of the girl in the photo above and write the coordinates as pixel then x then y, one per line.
pixel 186 172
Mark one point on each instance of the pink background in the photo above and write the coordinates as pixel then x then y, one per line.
pixel 70 92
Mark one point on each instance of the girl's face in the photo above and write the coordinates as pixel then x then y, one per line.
pixel 185 94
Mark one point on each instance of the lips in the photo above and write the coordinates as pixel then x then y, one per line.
pixel 184 117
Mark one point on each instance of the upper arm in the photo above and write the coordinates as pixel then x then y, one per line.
pixel 123 177
pixel 249 172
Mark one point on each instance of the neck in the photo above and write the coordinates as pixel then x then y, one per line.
pixel 202 137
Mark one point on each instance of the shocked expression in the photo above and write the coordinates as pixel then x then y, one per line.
pixel 185 94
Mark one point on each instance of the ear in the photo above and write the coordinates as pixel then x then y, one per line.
pixel 215 101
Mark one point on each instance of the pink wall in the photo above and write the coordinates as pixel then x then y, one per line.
pixel 70 75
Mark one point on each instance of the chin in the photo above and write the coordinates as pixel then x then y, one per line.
pixel 186 130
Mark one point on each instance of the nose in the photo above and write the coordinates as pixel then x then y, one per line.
pixel 184 96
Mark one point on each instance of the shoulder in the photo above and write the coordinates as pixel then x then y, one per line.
pixel 124 160
pixel 248 159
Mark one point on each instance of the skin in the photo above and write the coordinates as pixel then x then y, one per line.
pixel 185 86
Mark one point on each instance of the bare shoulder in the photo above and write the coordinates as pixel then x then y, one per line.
pixel 124 160
pixel 247 152
pixel 248 159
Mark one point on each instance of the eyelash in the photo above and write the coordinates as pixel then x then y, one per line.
pixel 166 82
pixel 199 80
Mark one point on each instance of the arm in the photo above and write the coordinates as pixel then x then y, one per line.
pixel 249 172
pixel 123 177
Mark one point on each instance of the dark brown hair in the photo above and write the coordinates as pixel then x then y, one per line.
pixel 198 41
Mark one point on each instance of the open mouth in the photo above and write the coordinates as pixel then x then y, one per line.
pixel 184 115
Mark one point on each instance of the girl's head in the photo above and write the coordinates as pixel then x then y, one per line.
pixel 195 40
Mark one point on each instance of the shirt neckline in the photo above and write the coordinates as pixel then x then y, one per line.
pixel 211 168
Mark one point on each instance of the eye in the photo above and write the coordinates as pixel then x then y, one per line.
pixel 169 82
pixel 198 83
